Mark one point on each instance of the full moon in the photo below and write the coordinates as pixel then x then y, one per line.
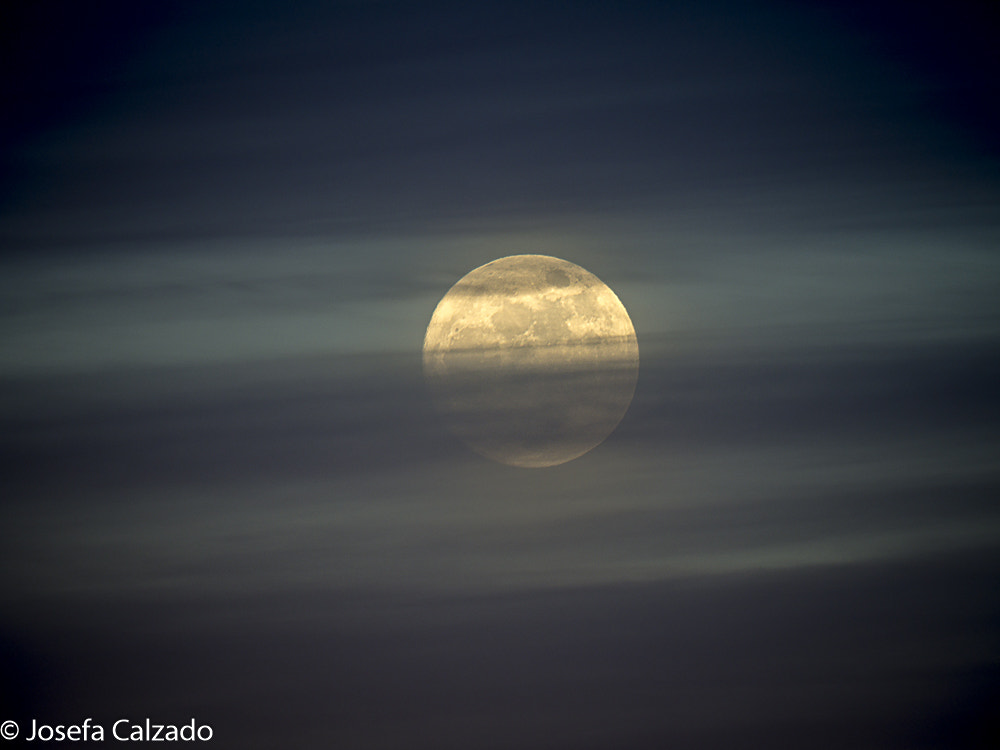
pixel 532 360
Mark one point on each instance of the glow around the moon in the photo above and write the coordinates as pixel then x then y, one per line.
pixel 532 359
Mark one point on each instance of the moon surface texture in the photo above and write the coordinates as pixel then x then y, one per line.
pixel 532 360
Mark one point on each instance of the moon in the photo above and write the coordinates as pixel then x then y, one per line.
pixel 532 360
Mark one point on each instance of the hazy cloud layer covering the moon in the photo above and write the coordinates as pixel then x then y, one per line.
pixel 810 462
pixel 225 493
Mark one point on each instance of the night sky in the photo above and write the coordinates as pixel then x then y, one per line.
pixel 225 493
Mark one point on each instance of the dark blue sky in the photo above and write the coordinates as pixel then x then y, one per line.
pixel 225 494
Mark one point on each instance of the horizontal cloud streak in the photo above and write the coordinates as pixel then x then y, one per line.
pixel 821 656
pixel 350 480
